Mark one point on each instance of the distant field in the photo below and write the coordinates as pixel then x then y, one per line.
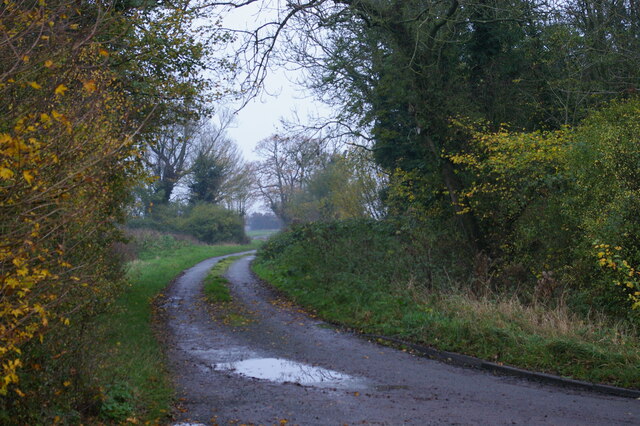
pixel 262 233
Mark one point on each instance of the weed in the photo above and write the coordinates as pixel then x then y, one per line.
pixel 118 403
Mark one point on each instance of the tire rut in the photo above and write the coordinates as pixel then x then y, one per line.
pixel 285 366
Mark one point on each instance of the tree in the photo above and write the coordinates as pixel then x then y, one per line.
pixel 342 189
pixel 219 175
pixel 79 82
pixel 175 148
pixel 288 163
pixel 400 71
pixel 168 158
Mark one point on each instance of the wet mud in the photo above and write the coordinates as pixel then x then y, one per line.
pixel 284 366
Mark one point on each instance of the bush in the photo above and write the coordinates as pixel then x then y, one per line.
pixel 205 222
pixel 564 205
pixel 213 224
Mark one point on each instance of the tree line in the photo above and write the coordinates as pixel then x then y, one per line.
pixel 86 88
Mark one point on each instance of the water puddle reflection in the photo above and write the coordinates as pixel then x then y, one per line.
pixel 286 371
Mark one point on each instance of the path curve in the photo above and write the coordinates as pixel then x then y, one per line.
pixel 349 381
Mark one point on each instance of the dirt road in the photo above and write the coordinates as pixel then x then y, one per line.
pixel 273 364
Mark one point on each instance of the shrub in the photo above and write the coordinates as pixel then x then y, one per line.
pixel 213 224
pixel 205 222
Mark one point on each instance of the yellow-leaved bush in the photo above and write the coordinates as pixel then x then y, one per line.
pixel 543 198
pixel 67 161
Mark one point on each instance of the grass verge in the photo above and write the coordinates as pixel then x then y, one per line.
pixel 361 278
pixel 129 360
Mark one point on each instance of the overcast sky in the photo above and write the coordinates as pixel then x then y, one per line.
pixel 261 117
pixel 281 98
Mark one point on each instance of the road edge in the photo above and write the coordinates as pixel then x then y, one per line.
pixel 504 370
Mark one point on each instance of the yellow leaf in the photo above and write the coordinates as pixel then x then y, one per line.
pixel 61 89
pixel 44 37
pixel 89 86
pixel 5 173
pixel 74 26
pixel 45 118
pixel 66 383
pixel 48 63
pixel 35 85
pixel 28 176
pixel 26 58
pixel 103 52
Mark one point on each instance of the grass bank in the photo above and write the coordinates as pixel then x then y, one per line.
pixel 129 359
pixel 364 276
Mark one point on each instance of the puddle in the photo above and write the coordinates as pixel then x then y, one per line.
pixel 226 356
pixel 286 371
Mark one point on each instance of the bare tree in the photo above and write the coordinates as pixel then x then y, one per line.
pixel 288 163
pixel 171 156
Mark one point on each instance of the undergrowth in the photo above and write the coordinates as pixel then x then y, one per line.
pixel 362 275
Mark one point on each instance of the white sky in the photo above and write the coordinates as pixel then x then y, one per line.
pixel 262 116
pixel 280 99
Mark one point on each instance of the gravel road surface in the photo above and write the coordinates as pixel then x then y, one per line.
pixel 273 364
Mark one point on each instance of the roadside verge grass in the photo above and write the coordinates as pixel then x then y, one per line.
pixel 362 278
pixel 129 361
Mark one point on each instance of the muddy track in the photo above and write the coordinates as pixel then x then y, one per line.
pixel 272 363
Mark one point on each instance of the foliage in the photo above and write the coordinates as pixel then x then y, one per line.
pixel 366 276
pixel 117 405
pixel 67 160
pixel 218 175
pixel 286 166
pixel 205 222
pixel 545 198
pixel 336 191
pixel 74 107
pixel 213 224
pixel 397 72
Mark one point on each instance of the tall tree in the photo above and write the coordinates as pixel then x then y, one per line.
pixel 287 164
pixel 219 175
pixel 176 147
